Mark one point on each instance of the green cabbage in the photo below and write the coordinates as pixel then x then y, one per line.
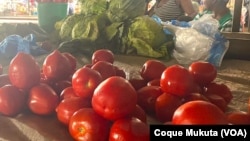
pixel 122 10
pixel 67 26
pixel 93 7
pixel 90 27
pixel 145 37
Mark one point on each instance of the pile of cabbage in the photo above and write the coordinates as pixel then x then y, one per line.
pixel 119 25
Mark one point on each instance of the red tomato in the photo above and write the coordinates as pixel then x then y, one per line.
pixel 195 96
pixel 219 89
pixel 12 101
pixel 198 88
pixel 72 59
pixel 106 69
pixel 4 80
pixel 44 79
pixel 129 129
pixel 24 71
pixel 56 66
pixel 59 86
pixel 87 65
pixel 238 117
pixel 67 93
pixel 68 106
pixel 84 81
pixel 199 112
pixel 154 82
pixel 86 125
pixel 103 55
pixel 139 113
pixel 217 100
pixel 203 72
pixel 1 69
pixel 42 100
pixel 114 98
pixel 152 69
pixel 165 106
pixel 177 80
pixel 137 83
pixel 146 98
pixel 119 72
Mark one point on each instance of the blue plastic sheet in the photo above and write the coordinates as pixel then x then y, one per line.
pixel 13 44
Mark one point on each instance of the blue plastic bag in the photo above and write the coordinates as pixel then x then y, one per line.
pixel 13 44
pixel 218 50
pixel 159 21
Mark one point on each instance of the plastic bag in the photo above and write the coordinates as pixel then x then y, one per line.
pixel 206 25
pixel 191 45
pixel 200 41
pixel 218 50
pixel 13 44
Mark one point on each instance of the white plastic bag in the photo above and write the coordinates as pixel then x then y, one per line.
pixel 191 45
pixel 200 41
pixel 206 25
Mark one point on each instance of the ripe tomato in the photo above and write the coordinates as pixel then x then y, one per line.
pixel 139 113
pixel 67 93
pixel 119 72
pixel 217 100
pixel 106 69
pixel 86 125
pixel 56 66
pixel 199 112
pixel 154 82
pixel 68 106
pixel 146 98
pixel 84 81
pixel 129 129
pixel 44 79
pixel 114 98
pixel 137 83
pixel 12 101
pixel 238 117
pixel 4 80
pixel 72 59
pixel 103 55
pixel 165 106
pixel 195 96
pixel 24 71
pixel 42 99
pixel 219 89
pixel 177 80
pixel 203 72
pixel 59 86
pixel 152 69
pixel 87 65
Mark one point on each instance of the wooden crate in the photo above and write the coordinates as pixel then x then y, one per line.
pixel 239 46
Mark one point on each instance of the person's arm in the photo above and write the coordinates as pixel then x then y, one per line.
pixel 187 6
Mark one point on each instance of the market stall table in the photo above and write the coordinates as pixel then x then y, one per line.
pixel 27 126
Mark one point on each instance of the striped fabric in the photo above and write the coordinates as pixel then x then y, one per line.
pixel 226 23
pixel 168 11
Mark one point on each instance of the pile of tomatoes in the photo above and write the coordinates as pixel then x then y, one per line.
pixel 98 102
